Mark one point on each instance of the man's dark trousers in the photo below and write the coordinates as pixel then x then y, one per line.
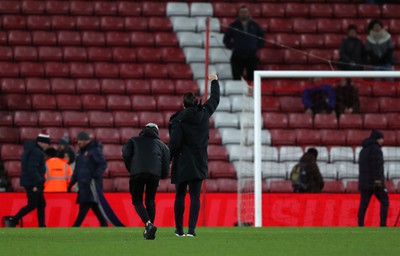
pixel 37 201
pixel 137 186
pixel 239 63
pixel 383 198
pixel 83 210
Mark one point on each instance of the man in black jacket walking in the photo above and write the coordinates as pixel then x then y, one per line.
pixel 371 178
pixel 146 158
pixel 189 132
pixel 33 167
pixel 244 37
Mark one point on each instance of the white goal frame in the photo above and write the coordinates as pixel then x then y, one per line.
pixel 258 75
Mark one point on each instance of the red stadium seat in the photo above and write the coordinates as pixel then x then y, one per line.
pixel 136 23
pixel 117 169
pixel 115 38
pixel 14 22
pixel 344 10
pixel 280 186
pixel 332 40
pixel 112 152
pixel 31 69
pixel 38 22
pixel 109 23
pixel 80 69
pixel 127 70
pixel 369 11
pixel 105 8
pixel 283 137
pixel 108 184
pixel 37 85
pixel 56 7
pixel 183 86
pixel 81 8
pixel 107 135
pixel 99 54
pixel 25 118
pixel 19 37
pixel 350 121
pixel 107 70
pixel 154 9
pixel 154 70
pixel 127 133
pixel 164 135
pixel 179 71
pixel 124 54
pixel 11 152
pixel 308 137
pixel 311 41
pixel 29 133
pixel 93 38
pixel 329 26
pixel 225 23
pixel 280 25
pixel 69 102
pixel 369 105
pixel 69 38
pixel 100 119
pixel 72 53
pixel 390 138
pixel 6 118
pixel 125 118
pixel 73 133
pixel 269 10
pixel 383 90
pixel 137 86
pixel 8 135
pixel 325 121
pixel 63 22
pixel 168 102
pixel 62 85
pixel 43 102
pixel 271 56
pixel 333 137
pixel 160 24
pixel 352 186
pixel 333 186
pixel 355 137
pixel 221 169
pixel 217 152
pixel 295 57
pixel 93 102
pixel 226 185
pixel 375 121
pixel 121 184
pixel 56 133
pixel 75 118
pixel 301 26
pixel 297 10
pixel 300 120
pixel 112 86
pixel 165 39
pixel 360 23
pixel 214 137
pixel 12 85
pixel 10 7
pixel 142 39
pixel 48 53
pixel 275 120
pixel 6 53
pixel 389 104
pixel 148 54
pixel 390 11
pixel 33 7
pixel 287 40
pixel 87 23
pixel 9 69
pixel 12 168
pixel 129 8
pixel 84 86
pixel 211 186
pixel 393 120
pixel 118 102
pixel 49 119
pixel 172 54
pixel 291 104
pixel 18 102
pixel 316 56
pixel 321 10
pixel 143 103
pixel 162 86
pixel 151 117
pixel 222 9
pixel 56 69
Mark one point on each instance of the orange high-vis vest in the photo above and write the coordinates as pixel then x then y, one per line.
pixel 58 175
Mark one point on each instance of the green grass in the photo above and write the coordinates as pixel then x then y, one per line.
pixel 210 241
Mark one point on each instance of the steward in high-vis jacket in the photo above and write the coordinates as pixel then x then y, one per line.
pixel 58 172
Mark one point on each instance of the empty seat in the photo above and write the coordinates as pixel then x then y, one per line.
pixel 355 137
pixel 168 102
pixel 325 121
pixel 283 137
pixel 295 57
pixel 6 118
pixel 329 26
pixel 63 22
pixel 10 7
pixel 37 85
pixel 19 37
pixel 142 39
pixel 350 121
pixel 143 102
pixel 68 102
pixel 165 39
pixel 190 39
pixel 108 23
pixel 151 117
pixel 93 102
pixel 333 137
pixel 369 11
pixel 275 120
pixel 311 41
pixel 333 186
pixel 14 22
pixel 28 133
pixel 137 86
pixel 201 24
pixel 114 38
pixel 183 86
pixel 100 119
pixel 80 69
pixel 201 9
pixel 128 132
pixel 274 170
pixel 393 120
pixel 12 85
pixel 148 54
pixel 217 152
pixel 320 10
pixel 227 185
pixel 300 120
pixel 230 136
pixel 121 184
pixel 369 105
pixel 172 54
pixel 31 69
pixel 118 102
pixel 179 71
pixel 391 153
pixel 375 121
pixel 87 23
pixel 105 8
pixel 81 8
pixel 268 10
pixel 290 40
pixel 56 132
pixel 340 153
pixel 117 169
pixel 160 24
pixel 280 186
pixel 107 135
pixel 48 53
pixel 11 152
pixel 72 53
pixel 291 104
pixel 74 118
pixel 270 104
pixel 301 26
pixel 297 10
pixel 393 169
pixel 56 7
pixel 99 54
pixel 43 102
pixel 223 119
pixel 12 168
pixel 347 170
pixel 124 54
pixel 18 102
pixel 308 137
pixel 105 69
pixel 344 10
pixel 8 134
pixel 68 38
pixel 239 152
pixel 93 38
pixel 183 24
pixel 122 118
pixel 290 153
pixel 153 8
pixel 25 53
pixel 126 8
pixel 389 104
pixel 112 86
pixel 128 70
pixel 49 119
pixel 177 9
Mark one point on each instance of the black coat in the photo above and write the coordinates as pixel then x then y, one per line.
pixel 90 165
pixel 146 154
pixel 69 151
pixel 189 133
pixel 314 177
pixel 33 165
pixel 370 164
pixel 352 51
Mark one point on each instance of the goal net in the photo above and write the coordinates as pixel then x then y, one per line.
pixel 277 127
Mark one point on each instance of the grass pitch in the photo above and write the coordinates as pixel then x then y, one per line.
pixel 210 241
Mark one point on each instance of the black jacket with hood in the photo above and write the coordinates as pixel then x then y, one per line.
pixel 146 154
pixel 189 132
pixel 33 165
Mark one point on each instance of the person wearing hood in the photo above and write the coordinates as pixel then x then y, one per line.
pixel 352 51
pixel 189 132
pixel 33 169
pixel 147 159
pixel 371 179
pixel 65 151
pixel 89 168
pixel 379 46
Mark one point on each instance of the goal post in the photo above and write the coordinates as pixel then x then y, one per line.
pixel 258 76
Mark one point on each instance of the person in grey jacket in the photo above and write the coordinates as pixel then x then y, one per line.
pixel 147 159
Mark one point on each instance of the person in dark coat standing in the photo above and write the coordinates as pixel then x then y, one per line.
pixel 244 37
pixel 147 159
pixel 371 180
pixel 189 133
pixel 352 51
pixel 65 151
pixel 33 167
pixel 89 168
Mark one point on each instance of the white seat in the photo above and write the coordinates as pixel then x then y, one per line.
pixel 357 153
pixel 201 24
pixel 233 87
pixel 328 171
pixel 323 154
pixel 201 82
pixel 183 24
pixel 230 135
pixel 392 169
pixel 216 39
pixel 339 153
pixel 198 70
pixel 201 9
pixel 224 119
pixel 347 170
pixel 190 39
pixel 240 103
pixel 290 153
pixel 274 170
pixel 193 54
pixel 265 138
pixel 240 153
pixel 244 169
pixel 224 71
pixel 177 9
pixel 220 55
pixel 225 106
pixel 247 119
pixel 391 153
pixel 269 153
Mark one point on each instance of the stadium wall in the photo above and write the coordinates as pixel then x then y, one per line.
pixel 278 209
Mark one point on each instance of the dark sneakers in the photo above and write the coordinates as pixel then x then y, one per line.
pixel 191 234
pixel 179 233
pixel 10 222
pixel 150 232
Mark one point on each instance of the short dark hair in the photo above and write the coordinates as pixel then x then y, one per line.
pixel 51 152
pixel 372 24
pixel 189 100
pixel 351 27
pixel 313 151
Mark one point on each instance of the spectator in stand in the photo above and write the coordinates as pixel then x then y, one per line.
pixel 319 99
pixel 244 37
pixel 347 100
pixel 305 176
pixel 58 172
pixel 33 167
pixel 379 46
pixel 371 180
pixel 352 51
pixel 65 151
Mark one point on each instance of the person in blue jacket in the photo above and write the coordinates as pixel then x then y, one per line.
pixel 319 99
pixel 244 37
pixel 32 178
pixel 89 168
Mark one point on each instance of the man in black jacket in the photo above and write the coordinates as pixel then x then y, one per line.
pixel 244 37
pixel 33 167
pixel 352 51
pixel 189 132
pixel 146 158
pixel 371 178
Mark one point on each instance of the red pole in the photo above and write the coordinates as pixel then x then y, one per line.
pixel 207 49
